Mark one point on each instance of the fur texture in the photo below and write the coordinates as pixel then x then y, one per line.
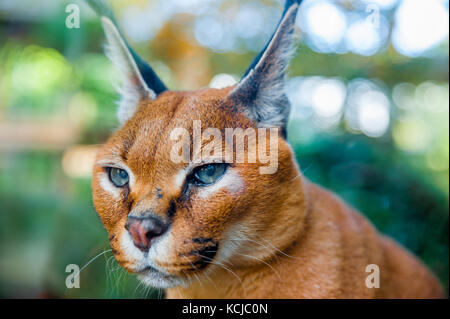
pixel 249 235
pixel 261 90
pixel 133 87
pixel 273 236
pixel 139 81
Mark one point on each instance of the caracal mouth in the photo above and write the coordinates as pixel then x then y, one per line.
pixel 158 279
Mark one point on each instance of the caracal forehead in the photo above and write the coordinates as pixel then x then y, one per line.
pixel 181 108
pixel 154 120
pixel 146 136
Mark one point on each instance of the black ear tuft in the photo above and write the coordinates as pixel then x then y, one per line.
pixel 261 90
pixel 149 76
pixel 139 80
pixel 151 79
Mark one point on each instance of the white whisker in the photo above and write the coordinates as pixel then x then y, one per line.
pixel 264 262
pixel 227 269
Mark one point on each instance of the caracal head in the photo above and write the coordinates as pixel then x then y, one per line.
pixel 196 181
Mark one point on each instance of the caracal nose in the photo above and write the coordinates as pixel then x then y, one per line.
pixel 144 229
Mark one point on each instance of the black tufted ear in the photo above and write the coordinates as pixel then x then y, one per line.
pixel 261 90
pixel 139 80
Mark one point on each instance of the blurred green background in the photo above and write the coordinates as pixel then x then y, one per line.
pixel 370 120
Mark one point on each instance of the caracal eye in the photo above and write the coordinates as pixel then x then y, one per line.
pixel 209 173
pixel 118 176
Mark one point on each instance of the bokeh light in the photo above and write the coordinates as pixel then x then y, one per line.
pixel 328 97
pixel 222 80
pixel 324 23
pixel 373 113
pixel 363 38
pixel 420 26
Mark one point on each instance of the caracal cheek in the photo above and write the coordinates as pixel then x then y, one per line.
pixel 107 186
pixel 231 181
pixel 132 254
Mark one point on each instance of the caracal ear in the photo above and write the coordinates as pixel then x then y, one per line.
pixel 261 90
pixel 139 81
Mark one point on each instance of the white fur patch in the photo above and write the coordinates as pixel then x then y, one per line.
pixel 106 184
pixel 231 181
pixel 160 250
pixel 133 88
pixel 133 254
pixel 234 239
pixel 180 178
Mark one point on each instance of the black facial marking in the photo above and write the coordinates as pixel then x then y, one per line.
pixel 204 255
pixel 159 193
pixel 130 203
pixel 172 210
pixel 202 240
pixel 208 253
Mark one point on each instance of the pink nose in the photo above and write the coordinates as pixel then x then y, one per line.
pixel 143 230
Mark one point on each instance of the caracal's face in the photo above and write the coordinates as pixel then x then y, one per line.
pixel 207 224
pixel 177 201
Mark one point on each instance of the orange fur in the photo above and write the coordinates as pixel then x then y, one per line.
pixel 247 234
pixel 279 236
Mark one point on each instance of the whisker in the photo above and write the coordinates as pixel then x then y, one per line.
pixel 302 173
pixel 179 293
pixel 281 252
pixel 275 248
pixel 147 291
pixel 194 267
pixel 90 261
pixel 264 262
pixel 137 286
pixel 203 274
pixel 212 261
pixel 117 273
pixel 160 293
pixel 210 280
pixel 109 278
pixel 306 169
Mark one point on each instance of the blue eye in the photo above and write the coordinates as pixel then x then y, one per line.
pixel 118 177
pixel 208 174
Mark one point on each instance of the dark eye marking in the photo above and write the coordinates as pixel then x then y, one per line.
pixel 172 210
pixel 159 193
pixel 130 201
